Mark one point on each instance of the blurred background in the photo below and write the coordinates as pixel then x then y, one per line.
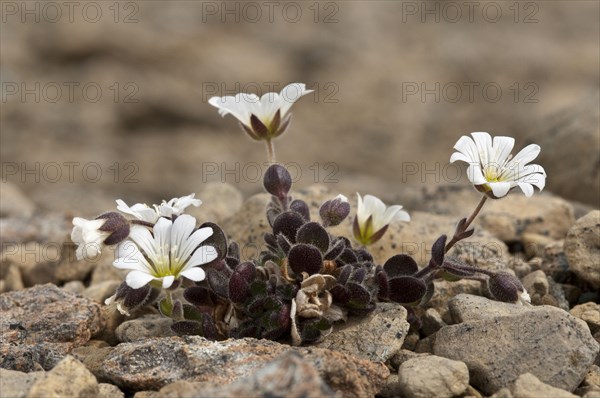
pixel 105 100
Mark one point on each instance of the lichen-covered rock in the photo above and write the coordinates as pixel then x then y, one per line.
pixel 582 247
pixel 40 325
pixel 433 376
pixel 376 337
pixel 546 341
pixel 151 364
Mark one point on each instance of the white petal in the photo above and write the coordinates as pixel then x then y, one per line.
pixel 130 257
pixel 290 94
pixel 144 239
pixel 203 255
pixel 387 217
pixel 241 106
pixel 196 274
pixel 526 155
pixel 483 141
pixel 182 229
pixel 139 211
pixel 137 279
pixel 194 241
pixel 500 189
pixel 458 156
pixel 162 239
pixel 475 175
pixel 168 281
pixel 501 150
pixel 526 188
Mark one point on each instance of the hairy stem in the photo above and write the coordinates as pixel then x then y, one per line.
pixel 270 151
pixel 457 234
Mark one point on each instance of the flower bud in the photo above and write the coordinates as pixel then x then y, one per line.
pixel 92 235
pixel 334 211
pixel 127 299
pixel 277 181
pixel 507 288
pixel 117 225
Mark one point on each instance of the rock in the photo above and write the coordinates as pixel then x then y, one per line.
pixel 467 307
pixel 537 285
pixel 151 364
pixel 404 355
pixel 582 248
pixel 432 322
pixel 75 287
pixel 376 337
pixel 144 327
pixel 40 325
pixel 10 278
pixel 71 269
pixel 391 387
pixel 590 313
pixel 219 202
pixel 529 386
pixel 104 270
pixel 446 290
pixel 535 244
pixel 106 390
pixel 52 228
pixel 289 375
pixel 69 378
pixel 15 384
pixel 546 341
pixel 13 202
pixel 433 376
pixel 554 262
pixel 36 261
pixel 571 135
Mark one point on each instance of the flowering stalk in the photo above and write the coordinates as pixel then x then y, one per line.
pixel 462 231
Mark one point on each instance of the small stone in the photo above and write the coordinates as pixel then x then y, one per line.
pixel 11 278
pixel 466 307
pixel 502 393
pixel 590 313
pixel 498 349
pixel 554 262
pixel 101 291
pixel 376 337
pixel 446 290
pixel 106 390
pixel 537 285
pixel 15 384
pixel 433 376
pixel 432 322
pixel 144 327
pixel 69 378
pixel 582 248
pixel 40 325
pixel 535 244
pixel 402 356
pixel 529 386
pixel 75 287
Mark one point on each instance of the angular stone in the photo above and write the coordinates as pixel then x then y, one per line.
pixel 376 337
pixel 106 390
pixel 545 341
pixel 582 247
pixel 433 376
pixel 15 384
pixel 40 325
pixel 151 364
pixel 69 378
pixel 529 386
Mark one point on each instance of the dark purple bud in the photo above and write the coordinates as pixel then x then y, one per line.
pixel 400 264
pixel 305 258
pixel 277 181
pixel 288 224
pixel 406 289
pixel 505 287
pixel 117 225
pixel 133 299
pixel 313 233
pixel 300 207
pixel 438 250
pixel 334 211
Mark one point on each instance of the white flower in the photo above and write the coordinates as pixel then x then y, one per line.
pixel 143 212
pixel 493 170
pixel 373 218
pixel 271 111
pixel 524 298
pixel 88 237
pixel 170 253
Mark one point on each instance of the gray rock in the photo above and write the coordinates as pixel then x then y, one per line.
pixel 40 325
pixel 529 386
pixel 582 248
pixel 432 322
pixel 554 261
pixel 151 364
pixel 590 313
pixel 467 307
pixel 144 327
pixel 69 378
pixel 545 341
pixel 376 337
pixel 13 202
pixel 10 278
pixel 433 376
pixel 538 286
pixel 75 287
pixel 106 390
pixel 446 290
